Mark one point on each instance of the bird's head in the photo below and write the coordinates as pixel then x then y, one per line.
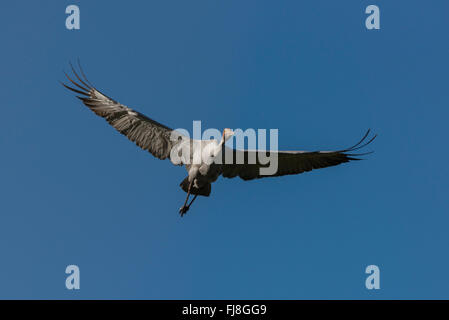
pixel 227 134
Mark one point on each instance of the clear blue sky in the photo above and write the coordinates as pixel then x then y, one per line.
pixel 74 191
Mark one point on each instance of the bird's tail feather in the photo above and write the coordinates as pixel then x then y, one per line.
pixel 204 191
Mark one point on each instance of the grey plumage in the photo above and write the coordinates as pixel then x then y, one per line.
pixel 161 142
pixel 292 162
pixel 148 134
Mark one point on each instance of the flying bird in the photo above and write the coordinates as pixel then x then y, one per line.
pixel 165 143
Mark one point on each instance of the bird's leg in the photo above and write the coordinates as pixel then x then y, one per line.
pixel 188 207
pixel 185 208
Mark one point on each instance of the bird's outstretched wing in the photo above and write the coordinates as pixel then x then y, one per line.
pixel 289 162
pixel 145 132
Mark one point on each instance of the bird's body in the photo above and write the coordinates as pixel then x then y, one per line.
pixel 205 160
pixel 201 171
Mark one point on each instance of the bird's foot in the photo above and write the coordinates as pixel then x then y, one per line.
pixel 183 210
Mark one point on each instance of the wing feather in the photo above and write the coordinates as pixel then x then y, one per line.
pixel 289 162
pixel 146 133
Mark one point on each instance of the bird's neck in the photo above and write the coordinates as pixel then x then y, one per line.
pixel 218 147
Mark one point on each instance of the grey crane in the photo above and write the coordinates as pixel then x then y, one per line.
pixel 165 143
